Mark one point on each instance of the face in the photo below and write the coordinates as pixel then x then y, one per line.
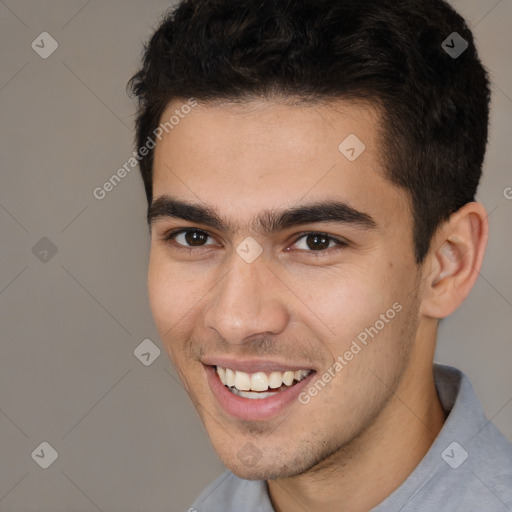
pixel 282 278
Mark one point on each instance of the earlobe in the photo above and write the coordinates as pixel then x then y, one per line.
pixel 455 260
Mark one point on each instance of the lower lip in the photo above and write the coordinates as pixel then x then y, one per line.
pixel 253 409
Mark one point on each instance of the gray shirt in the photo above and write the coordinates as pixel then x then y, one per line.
pixel 467 469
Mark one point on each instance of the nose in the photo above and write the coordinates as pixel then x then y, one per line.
pixel 248 302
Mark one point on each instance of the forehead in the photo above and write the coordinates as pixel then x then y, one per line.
pixel 242 159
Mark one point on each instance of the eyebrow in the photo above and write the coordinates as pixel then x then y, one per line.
pixel 268 222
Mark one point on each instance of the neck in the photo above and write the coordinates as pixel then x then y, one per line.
pixel 361 475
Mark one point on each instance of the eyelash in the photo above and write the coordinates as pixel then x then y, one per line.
pixel 170 236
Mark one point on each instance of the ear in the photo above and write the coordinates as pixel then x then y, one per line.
pixel 454 261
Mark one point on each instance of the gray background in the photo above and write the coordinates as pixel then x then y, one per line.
pixel 126 436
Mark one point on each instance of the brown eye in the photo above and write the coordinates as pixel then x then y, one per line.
pixel 196 238
pixel 189 238
pixel 317 242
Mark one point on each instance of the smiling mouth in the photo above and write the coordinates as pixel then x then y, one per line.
pixel 259 385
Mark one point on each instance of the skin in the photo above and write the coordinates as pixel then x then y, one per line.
pixel 380 414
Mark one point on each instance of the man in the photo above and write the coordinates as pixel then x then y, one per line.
pixel 311 168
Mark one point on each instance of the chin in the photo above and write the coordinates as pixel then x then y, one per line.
pixel 269 472
pixel 250 463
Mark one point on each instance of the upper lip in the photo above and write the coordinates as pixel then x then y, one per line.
pixel 254 365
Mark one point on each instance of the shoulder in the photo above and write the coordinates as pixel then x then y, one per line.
pixel 476 456
pixel 472 475
pixel 474 459
pixel 469 465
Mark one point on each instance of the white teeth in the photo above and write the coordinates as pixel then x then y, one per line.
pixel 300 374
pixel 275 380
pixel 288 378
pixel 230 377
pixel 221 372
pixel 243 382
pixel 259 381
pixel 252 395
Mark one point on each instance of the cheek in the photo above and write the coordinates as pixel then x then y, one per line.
pixel 172 293
pixel 160 290
pixel 345 301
